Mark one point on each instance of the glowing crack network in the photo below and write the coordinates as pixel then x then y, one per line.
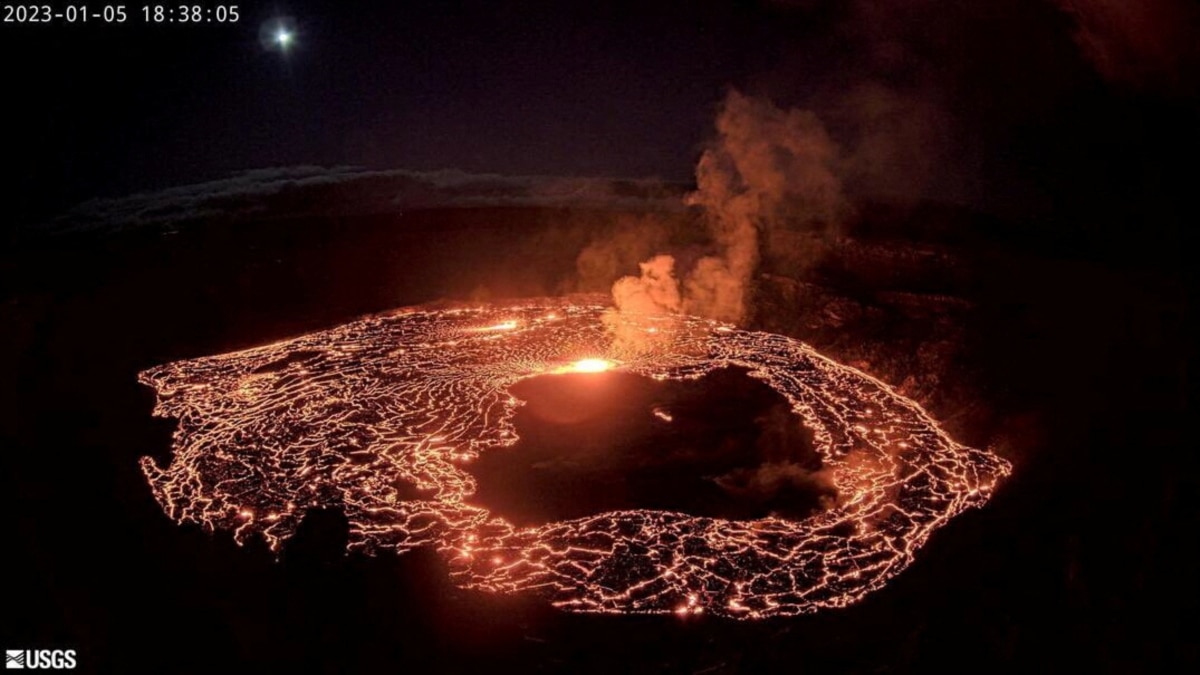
pixel 381 419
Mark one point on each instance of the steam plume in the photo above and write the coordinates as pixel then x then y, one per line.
pixel 655 292
pixel 768 172
pixel 1150 43
pixel 769 169
pixel 641 304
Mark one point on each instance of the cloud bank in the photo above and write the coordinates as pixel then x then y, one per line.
pixel 348 191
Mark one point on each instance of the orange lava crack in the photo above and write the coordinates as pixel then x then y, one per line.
pixel 381 419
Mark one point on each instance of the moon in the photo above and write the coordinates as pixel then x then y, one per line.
pixel 278 34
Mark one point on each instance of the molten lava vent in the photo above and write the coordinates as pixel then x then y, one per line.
pixel 382 419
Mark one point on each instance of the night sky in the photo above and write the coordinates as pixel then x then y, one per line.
pixel 481 86
pixel 1030 108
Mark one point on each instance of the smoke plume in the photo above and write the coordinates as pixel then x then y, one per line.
pixel 642 303
pixel 767 178
pixel 780 484
pixel 618 249
pixel 655 292
pixel 1145 44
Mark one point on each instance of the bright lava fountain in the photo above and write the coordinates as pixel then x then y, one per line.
pixel 355 417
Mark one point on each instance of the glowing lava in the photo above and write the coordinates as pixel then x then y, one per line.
pixel 591 366
pixel 352 417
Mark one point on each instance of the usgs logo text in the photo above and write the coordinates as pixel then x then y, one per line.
pixel 50 659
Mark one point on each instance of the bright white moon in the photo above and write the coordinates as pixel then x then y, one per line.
pixel 279 34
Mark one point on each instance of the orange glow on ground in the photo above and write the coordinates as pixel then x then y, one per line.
pixel 591 365
pixel 343 418
pixel 501 326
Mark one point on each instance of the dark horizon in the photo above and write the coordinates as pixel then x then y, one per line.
pixel 1038 110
